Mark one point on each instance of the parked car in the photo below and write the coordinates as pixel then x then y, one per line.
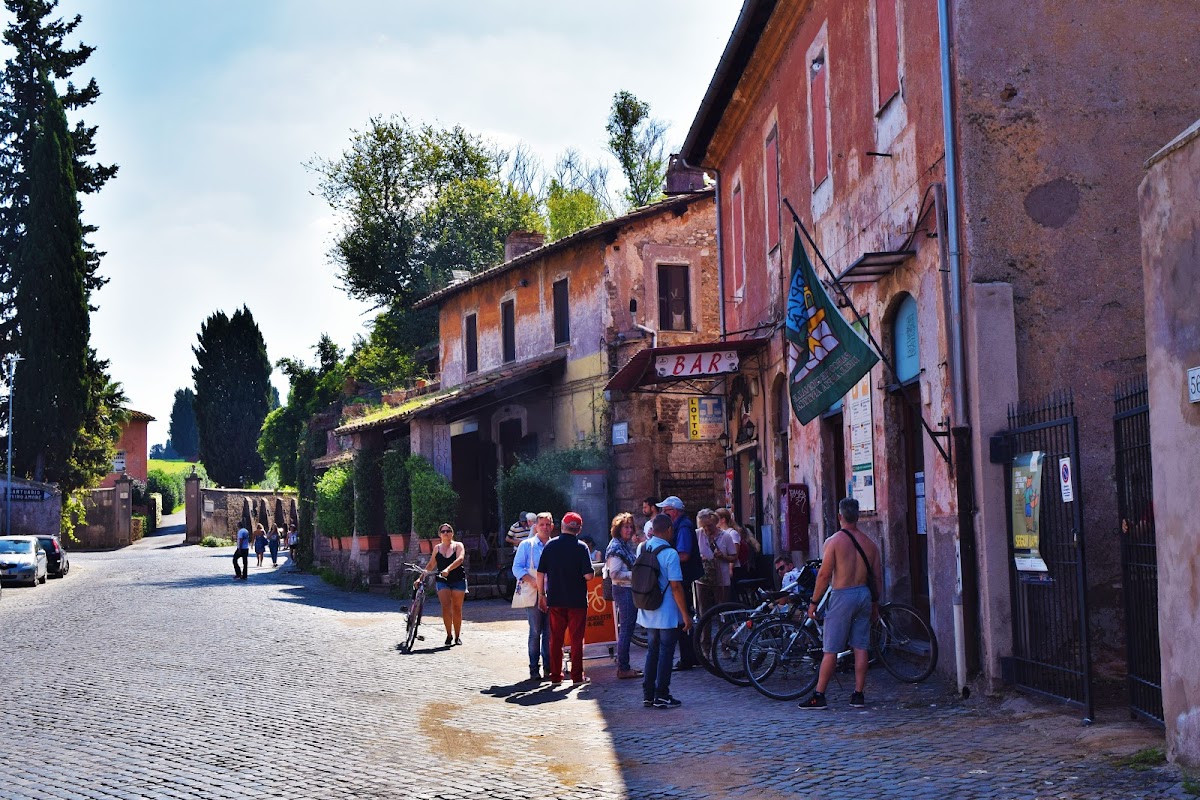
pixel 22 558
pixel 57 563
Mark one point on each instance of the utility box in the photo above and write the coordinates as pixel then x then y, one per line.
pixel 589 497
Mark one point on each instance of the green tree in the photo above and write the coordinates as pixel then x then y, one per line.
pixel 232 376
pixel 51 304
pixel 39 54
pixel 386 356
pixel 571 210
pixel 185 436
pixel 638 143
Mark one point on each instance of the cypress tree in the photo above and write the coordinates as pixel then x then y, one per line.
pixel 232 376
pixel 185 437
pixel 52 306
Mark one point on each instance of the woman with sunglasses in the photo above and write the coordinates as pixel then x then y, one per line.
pixel 451 581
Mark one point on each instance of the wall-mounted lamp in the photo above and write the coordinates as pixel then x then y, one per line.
pixel 723 440
pixel 817 63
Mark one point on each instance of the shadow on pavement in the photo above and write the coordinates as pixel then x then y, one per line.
pixel 529 693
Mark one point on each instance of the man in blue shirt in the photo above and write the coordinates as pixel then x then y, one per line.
pixel 688 545
pixel 662 624
pixel 242 551
pixel 525 564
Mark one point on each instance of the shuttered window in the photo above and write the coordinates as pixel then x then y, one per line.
pixel 562 315
pixel 508 330
pixel 471 343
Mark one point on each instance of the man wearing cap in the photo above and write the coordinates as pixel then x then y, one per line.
pixel 563 572
pixel 519 531
pixel 688 547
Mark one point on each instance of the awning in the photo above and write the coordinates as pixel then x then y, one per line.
pixel 662 367
pixel 873 266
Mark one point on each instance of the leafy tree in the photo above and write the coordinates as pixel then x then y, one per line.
pixel 51 304
pixel 185 436
pixel 278 441
pixel 571 210
pixel 386 356
pixel 637 142
pixel 39 55
pixel 232 376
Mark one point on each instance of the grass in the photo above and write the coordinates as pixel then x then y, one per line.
pixel 215 541
pixel 349 583
pixel 1143 760
pixel 1191 785
pixel 172 467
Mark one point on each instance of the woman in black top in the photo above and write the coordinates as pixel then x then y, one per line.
pixel 451 581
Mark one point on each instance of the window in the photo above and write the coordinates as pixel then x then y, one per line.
pixel 887 49
pixel 737 243
pixel 471 343
pixel 819 119
pixel 771 181
pixel 508 330
pixel 562 316
pixel 674 298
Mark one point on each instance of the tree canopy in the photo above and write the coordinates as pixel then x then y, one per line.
pixel 232 376
pixel 638 142
pixel 185 436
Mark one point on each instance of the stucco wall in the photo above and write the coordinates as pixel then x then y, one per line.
pixel 134 442
pixel 1059 105
pixel 1170 220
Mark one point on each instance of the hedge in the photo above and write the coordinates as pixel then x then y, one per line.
pixel 335 502
pixel 543 483
pixel 434 500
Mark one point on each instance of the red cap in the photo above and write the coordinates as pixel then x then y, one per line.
pixel 572 520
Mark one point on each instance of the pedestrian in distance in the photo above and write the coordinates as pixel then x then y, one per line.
pixel 648 511
pixel 260 543
pixel 618 566
pixel 525 568
pixel 851 569
pixel 594 554
pixel 520 530
pixel 293 539
pixel 657 585
pixel 273 545
pixel 688 547
pixel 241 550
pixel 451 581
pixel 719 552
pixel 563 573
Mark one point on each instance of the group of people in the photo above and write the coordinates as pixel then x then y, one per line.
pixel 264 540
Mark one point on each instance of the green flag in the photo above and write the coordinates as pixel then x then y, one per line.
pixel 832 357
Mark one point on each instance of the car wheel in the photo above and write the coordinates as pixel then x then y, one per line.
pixel 44 576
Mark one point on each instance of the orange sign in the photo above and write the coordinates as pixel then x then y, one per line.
pixel 601 619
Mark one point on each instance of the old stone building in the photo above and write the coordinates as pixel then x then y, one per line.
pixel 967 170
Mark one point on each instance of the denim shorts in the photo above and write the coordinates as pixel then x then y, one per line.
pixel 848 619
pixel 455 586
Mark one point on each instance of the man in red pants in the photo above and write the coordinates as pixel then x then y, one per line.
pixel 563 572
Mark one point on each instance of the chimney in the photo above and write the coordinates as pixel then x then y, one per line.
pixel 521 242
pixel 682 179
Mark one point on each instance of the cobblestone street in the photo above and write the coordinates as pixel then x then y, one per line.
pixel 150 673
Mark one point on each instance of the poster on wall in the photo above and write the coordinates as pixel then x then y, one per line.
pixel 862 441
pixel 706 418
pixel 1026 510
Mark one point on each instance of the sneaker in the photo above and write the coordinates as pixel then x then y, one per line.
pixel 556 682
pixel 682 667
pixel 817 701
pixel 581 681
pixel 666 702
pixel 857 700
pixel 647 703
pixel 629 673
pixel 535 675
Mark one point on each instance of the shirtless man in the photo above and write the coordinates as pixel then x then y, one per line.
pixel 852 607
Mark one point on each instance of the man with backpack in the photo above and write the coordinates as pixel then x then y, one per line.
pixel 687 544
pixel 657 584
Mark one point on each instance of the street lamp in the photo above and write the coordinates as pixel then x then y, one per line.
pixel 11 363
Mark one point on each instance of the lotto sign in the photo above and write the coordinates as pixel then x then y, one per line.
pixel 696 365
pixel 706 418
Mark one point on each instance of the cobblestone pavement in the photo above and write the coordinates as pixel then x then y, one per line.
pixel 150 673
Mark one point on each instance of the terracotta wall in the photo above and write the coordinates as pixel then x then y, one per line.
pixel 134 442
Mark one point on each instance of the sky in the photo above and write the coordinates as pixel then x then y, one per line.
pixel 211 108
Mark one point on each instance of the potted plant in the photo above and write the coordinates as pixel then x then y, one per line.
pixel 433 500
pixel 397 500
pixel 335 504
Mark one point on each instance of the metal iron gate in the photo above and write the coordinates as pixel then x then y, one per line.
pixel 1050 637
pixel 1139 557
pixel 697 490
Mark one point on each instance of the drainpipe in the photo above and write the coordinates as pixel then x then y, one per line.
pixel 653 333
pixel 958 380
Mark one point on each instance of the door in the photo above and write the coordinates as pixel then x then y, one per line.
pixel 914 475
pixel 835 469
pixel 465 459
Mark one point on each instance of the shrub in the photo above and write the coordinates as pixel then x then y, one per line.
pixel 397 497
pixel 169 485
pixel 367 489
pixel 434 500
pixel 544 483
pixel 215 541
pixel 335 502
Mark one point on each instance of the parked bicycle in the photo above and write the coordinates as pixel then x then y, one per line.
pixel 413 611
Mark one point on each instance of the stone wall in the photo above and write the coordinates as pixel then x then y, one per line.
pixel 221 511
pixel 108 519
pixel 36 508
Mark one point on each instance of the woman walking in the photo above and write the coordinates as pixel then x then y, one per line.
pixel 451 581
pixel 273 545
pixel 260 542
pixel 618 568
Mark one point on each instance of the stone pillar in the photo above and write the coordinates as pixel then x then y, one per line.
pixel 122 519
pixel 1170 208
pixel 193 509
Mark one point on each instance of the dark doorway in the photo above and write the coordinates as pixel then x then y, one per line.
pixel 835 469
pixel 466 460
pixel 510 441
pixel 913 449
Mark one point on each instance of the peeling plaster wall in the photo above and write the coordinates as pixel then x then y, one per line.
pixel 1059 105
pixel 1170 219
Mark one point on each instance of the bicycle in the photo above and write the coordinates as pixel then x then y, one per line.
pixel 735 628
pixel 412 612
pixel 782 659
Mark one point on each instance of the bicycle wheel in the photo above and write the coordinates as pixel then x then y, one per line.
pixel 726 653
pixel 413 621
pixel 639 635
pixel 904 643
pixel 506 583
pixel 704 630
pixel 782 660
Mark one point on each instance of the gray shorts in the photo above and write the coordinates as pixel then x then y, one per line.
pixel 848 619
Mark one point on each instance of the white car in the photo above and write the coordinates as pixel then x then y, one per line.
pixel 22 559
